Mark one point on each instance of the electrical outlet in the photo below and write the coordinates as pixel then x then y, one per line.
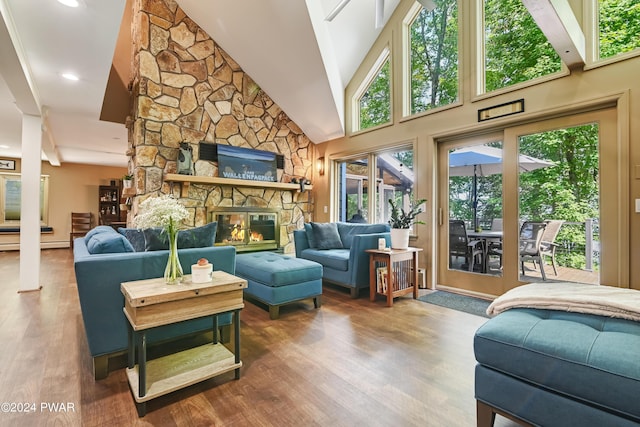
pixel 326 208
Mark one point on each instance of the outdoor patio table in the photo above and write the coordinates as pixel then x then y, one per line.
pixel 486 236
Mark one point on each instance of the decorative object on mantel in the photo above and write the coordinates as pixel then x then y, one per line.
pixel 168 213
pixel 185 159
pixel 127 181
pixel 302 181
pixel 401 222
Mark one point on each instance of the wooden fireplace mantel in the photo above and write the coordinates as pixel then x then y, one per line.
pixel 185 180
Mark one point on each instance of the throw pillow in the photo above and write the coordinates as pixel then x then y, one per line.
pixel 108 243
pixel 97 230
pixel 156 239
pixel 326 235
pixel 134 236
pixel 310 237
pixel 199 237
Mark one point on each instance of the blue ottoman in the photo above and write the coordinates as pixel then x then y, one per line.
pixel 277 279
pixel 557 368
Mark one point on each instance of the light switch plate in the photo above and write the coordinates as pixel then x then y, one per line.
pixel 637 205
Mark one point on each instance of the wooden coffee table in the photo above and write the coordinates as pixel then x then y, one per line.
pixel 152 303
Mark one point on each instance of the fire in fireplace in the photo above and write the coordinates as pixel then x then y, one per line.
pixel 248 229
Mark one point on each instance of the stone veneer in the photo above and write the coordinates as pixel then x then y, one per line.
pixel 185 88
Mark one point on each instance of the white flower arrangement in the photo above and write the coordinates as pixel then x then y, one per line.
pixel 168 213
pixel 164 211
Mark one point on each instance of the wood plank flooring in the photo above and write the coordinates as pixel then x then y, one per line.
pixel 350 363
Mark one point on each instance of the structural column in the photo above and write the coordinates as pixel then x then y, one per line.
pixel 31 167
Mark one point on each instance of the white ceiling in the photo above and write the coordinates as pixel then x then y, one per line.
pixel 302 61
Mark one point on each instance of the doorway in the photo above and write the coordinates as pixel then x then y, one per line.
pixel 561 173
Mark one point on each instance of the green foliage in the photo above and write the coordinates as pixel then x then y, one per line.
pixel 516 50
pixel 375 104
pixel 434 57
pixel 405 219
pixel 619 26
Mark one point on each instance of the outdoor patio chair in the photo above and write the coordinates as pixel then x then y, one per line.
pixel 548 245
pixel 530 244
pixel 461 246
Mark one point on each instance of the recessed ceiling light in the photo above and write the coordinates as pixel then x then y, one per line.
pixel 70 76
pixel 70 3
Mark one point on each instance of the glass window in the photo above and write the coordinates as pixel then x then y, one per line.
pixel 353 189
pixel 374 106
pixel 433 53
pixel 618 27
pixel 10 199
pixel 516 50
pixel 394 179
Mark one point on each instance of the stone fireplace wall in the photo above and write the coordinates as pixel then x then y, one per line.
pixel 185 88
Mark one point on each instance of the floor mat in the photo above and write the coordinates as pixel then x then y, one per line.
pixel 458 302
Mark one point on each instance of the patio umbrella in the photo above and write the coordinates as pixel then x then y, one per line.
pixel 482 160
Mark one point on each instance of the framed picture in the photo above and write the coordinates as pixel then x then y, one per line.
pixel 7 164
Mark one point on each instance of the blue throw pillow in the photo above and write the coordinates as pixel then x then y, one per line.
pixel 326 235
pixel 310 236
pixel 156 239
pixel 134 236
pixel 107 243
pixel 199 237
pixel 97 230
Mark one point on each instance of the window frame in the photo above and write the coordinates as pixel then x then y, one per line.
pixel 384 56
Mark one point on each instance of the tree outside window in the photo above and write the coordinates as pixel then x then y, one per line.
pixel 375 103
pixel 618 26
pixel 516 50
pixel 434 57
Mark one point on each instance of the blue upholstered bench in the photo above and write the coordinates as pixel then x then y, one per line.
pixel 276 279
pixel 557 368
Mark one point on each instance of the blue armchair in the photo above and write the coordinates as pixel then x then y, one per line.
pixel 347 265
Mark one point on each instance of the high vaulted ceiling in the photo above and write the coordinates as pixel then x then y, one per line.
pixel 301 60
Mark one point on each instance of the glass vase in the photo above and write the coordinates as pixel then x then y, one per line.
pixel 173 272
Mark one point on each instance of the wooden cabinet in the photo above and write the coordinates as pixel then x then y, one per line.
pixel 109 204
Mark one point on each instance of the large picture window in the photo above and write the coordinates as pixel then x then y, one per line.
pixel 433 53
pixel 10 199
pixel 515 48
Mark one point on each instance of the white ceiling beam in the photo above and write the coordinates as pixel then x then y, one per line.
pixel 558 23
pixel 14 67
pixel 49 147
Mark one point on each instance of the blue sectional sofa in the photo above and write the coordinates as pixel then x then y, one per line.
pixel 340 248
pixel 103 259
pixel 558 368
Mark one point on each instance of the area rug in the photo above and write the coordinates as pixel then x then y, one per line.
pixel 458 302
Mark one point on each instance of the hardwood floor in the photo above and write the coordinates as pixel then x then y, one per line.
pixel 350 363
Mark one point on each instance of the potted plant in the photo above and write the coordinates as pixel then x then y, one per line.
pixel 127 181
pixel 401 222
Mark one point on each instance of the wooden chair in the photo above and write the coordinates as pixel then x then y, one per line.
pixel 81 223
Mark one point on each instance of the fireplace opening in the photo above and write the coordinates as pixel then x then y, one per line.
pixel 248 229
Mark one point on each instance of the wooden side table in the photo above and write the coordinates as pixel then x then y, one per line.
pixel 401 268
pixel 152 303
